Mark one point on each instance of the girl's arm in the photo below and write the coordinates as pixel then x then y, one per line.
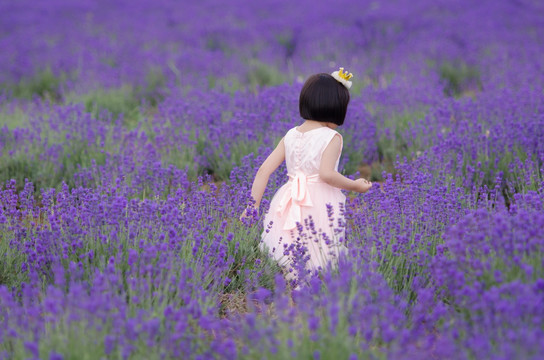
pixel 265 170
pixel 333 177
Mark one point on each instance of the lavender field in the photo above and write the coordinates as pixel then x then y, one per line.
pixel 130 134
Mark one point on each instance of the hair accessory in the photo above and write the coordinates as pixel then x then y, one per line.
pixel 343 77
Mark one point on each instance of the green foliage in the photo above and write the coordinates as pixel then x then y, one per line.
pixel 459 77
pixel 398 143
pixel 400 271
pixel 230 84
pixel 214 42
pixel 187 157
pixel 43 83
pixel 362 81
pixel 152 91
pixel 11 261
pixel 399 268
pixel 244 249
pixel 220 166
pixel 75 157
pixel 15 118
pixel 394 141
pixel 355 158
pixel 47 174
pixel 261 75
pixel 288 41
pixel 490 166
pixel 205 158
pixel 510 270
pixel 127 100
pixel 23 166
pixel 116 101
pixel 18 167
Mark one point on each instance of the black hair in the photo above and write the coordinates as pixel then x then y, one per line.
pixel 324 99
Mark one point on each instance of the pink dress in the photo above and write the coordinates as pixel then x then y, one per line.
pixel 303 200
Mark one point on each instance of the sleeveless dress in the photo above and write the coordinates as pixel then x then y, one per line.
pixel 305 212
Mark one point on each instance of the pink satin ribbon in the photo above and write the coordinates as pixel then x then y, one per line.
pixel 295 196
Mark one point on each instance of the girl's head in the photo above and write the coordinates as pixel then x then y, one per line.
pixel 324 99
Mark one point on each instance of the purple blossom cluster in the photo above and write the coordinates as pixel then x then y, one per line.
pixel 115 42
pixel 130 134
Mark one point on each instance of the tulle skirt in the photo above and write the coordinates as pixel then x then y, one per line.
pixel 320 234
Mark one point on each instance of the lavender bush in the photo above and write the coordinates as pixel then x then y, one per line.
pixel 130 134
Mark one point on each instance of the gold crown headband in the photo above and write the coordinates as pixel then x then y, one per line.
pixel 343 77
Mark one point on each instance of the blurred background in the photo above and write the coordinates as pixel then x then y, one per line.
pixel 130 133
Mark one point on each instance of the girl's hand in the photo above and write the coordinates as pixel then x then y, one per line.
pixel 248 215
pixel 362 185
pixel 244 214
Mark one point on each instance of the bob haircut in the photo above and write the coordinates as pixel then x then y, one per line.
pixel 323 99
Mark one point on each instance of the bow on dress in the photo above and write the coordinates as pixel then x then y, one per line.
pixel 295 196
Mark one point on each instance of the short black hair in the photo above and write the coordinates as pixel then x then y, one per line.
pixel 324 99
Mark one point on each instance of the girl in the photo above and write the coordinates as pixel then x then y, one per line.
pixel 303 211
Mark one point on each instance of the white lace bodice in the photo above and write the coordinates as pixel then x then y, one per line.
pixel 303 151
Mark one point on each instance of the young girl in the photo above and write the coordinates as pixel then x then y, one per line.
pixel 300 211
